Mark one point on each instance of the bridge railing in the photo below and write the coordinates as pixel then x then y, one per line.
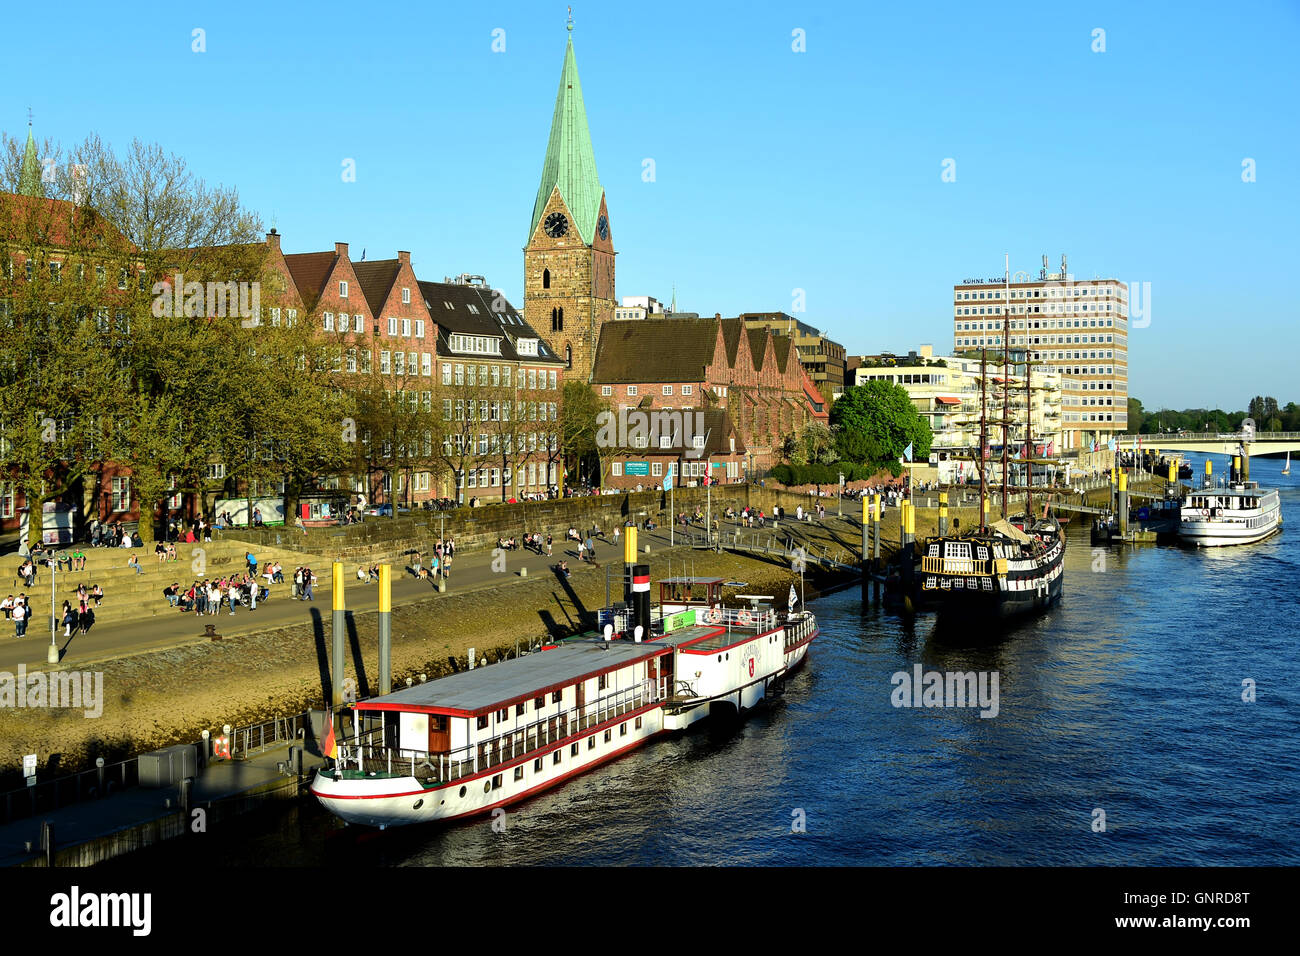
pixel 1155 441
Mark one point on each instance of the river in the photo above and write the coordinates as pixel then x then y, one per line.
pixel 1126 701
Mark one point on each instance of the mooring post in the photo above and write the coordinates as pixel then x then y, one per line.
pixel 864 563
pixel 385 628
pixel 907 524
pixel 875 545
pixel 1122 492
pixel 943 513
pixel 336 678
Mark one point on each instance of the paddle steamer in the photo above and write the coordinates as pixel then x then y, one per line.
pixel 490 736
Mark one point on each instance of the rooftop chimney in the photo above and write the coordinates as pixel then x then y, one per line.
pixel 273 239
pixel 404 258
pixel 341 250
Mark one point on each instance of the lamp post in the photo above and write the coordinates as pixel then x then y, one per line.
pixel 52 654
pixel 839 505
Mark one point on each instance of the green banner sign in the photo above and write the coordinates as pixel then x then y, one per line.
pixel 636 468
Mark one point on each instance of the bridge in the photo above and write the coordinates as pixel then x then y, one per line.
pixel 1215 443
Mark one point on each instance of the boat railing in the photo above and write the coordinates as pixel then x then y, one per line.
pixel 962 567
pixel 372 759
pixel 763 619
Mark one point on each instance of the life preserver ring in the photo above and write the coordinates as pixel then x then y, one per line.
pixel 744 619
pixel 714 616
pixel 221 747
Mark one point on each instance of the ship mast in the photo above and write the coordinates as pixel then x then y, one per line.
pixel 1029 443
pixel 983 433
pixel 1006 380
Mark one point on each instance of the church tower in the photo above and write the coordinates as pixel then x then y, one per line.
pixel 569 258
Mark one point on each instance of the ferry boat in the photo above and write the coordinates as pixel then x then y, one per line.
pixel 1013 567
pixel 1240 513
pixel 489 736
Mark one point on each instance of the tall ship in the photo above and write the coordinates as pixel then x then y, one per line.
pixel 1240 513
pixel 490 736
pixel 1008 568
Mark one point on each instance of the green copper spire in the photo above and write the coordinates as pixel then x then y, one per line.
pixel 570 162
pixel 29 180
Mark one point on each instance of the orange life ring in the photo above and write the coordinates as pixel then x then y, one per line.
pixel 743 619
pixel 714 616
pixel 221 747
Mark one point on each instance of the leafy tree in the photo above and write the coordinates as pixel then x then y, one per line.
pixel 875 421
pixel 581 416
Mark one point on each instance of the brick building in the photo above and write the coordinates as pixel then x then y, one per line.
pixel 752 375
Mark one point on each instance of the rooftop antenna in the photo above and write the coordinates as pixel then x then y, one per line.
pixel 29 117
pixel 1042 274
pixel 1063 268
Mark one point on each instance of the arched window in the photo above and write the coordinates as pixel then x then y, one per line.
pixel 546 278
pixel 557 320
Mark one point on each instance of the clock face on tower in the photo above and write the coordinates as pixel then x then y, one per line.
pixel 602 227
pixel 556 226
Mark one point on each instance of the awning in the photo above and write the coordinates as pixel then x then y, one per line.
pixel 944 400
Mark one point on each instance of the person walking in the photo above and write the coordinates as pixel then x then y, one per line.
pixel 20 618
pixel 309 581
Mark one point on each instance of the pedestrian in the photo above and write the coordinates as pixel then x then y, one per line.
pixel 85 618
pixel 20 619
pixel 309 581
pixel 69 619
pixel 548 545
pixel 97 593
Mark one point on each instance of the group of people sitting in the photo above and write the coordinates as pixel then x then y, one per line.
pixel 537 544
pixel 208 596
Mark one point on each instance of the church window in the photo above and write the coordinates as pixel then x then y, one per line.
pixel 546 278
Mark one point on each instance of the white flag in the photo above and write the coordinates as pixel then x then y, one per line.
pixel 794 598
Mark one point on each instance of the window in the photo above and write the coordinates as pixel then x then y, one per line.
pixel 537 765
pixel 573 750
pixel 392 326
pixel 555 757
pixel 539 703
pixel 519 709
pixel 551 375
pixel 622 729
pixel 519 772
pixel 329 321
pixel 606 390
pixel 686 389
pixel 419 328
pixel 385 362
pixel 406 296
pixel 657 469
pixel 482 722
pixel 557 696
pixel 546 278
pixel 591 742
pixel 406 327
pixel 343 290
pixel 631 390
pixel 426 363
pixel 121 495
pixel 609 735
pixel 399 363
pixel 600 682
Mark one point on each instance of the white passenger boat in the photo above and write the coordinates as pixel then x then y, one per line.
pixel 486 737
pixel 1239 513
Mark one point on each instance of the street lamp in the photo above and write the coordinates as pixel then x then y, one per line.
pixel 52 654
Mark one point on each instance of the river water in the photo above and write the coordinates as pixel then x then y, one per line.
pixel 1125 701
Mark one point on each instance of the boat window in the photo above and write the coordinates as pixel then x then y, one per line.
pixel 638 723
pixel 496 782
pixel 482 722
pixel 537 765
pixel 555 757
pixel 556 696
pixel 519 772
pixel 573 750
pixel 519 709
pixel 622 729
pixel 503 714
pixel 539 703
pixel 609 735
pixel 591 742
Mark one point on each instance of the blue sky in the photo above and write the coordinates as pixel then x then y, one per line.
pixel 774 170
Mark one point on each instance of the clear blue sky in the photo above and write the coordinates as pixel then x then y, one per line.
pixel 775 170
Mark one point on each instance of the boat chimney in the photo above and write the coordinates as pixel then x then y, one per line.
pixel 641 598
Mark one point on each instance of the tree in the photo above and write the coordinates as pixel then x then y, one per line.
pixel 1135 416
pixel 580 422
pixel 876 421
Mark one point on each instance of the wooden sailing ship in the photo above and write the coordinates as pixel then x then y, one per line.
pixel 1006 568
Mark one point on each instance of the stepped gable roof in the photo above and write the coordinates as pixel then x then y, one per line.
pixel 731 330
pixel 663 350
pixel 377 278
pixel 309 271
pixel 758 346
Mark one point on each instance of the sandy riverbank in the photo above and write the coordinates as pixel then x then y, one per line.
pixel 156 699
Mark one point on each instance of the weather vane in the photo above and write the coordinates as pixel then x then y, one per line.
pixel 570 25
